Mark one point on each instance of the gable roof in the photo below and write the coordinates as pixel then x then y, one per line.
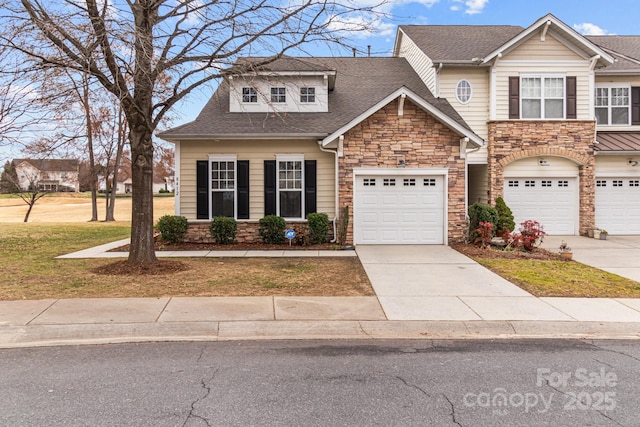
pixel 455 43
pixel 361 83
pixel 51 165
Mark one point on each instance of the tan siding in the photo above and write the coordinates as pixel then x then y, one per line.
pixel 476 112
pixel 504 70
pixel 420 62
pixel 477 184
pixel 256 152
pixel 530 167
pixel 616 165
pixel 630 80
pixel 535 50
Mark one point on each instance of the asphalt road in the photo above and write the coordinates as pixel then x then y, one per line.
pixel 324 383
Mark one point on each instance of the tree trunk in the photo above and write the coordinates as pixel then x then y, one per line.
pixel 142 249
pixel 30 203
pixel 92 162
pixel 116 165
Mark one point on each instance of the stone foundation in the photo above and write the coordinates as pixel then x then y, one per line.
pixel 247 232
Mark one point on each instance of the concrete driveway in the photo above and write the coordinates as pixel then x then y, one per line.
pixel 434 282
pixel 618 254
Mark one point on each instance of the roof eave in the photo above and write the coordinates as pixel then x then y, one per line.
pixel 616 152
pixel 248 136
pixel 444 118
pixel 579 39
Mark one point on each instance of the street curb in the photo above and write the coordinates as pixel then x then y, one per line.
pixel 94 334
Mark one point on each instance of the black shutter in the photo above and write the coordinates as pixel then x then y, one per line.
pixel 243 188
pixel 202 189
pixel 572 108
pixel 309 187
pixel 514 97
pixel 635 105
pixel 269 187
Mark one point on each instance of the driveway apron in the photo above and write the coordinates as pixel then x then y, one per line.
pixel 434 282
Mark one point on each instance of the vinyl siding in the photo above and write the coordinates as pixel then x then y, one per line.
pixel 477 184
pixel 419 61
pixel 613 166
pixel 536 57
pixel 256 152
pixel 631 81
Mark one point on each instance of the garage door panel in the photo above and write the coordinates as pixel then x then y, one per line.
pixel 550 201
pixel 618 205
pixel 399 210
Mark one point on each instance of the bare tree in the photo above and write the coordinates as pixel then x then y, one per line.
pixel 129 46
pixel 29 189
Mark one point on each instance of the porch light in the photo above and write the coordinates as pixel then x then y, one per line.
pixel 543 162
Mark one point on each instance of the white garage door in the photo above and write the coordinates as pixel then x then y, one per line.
pixel 399 210
pixel 553 202
pixel 618 205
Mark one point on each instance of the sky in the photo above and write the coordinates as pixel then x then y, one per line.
pixel 618 17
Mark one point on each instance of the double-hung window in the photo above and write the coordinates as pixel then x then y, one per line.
pixel 249 95
pixel 613 105
pixel 307 94
pixel 223 185
pixel 290 186
pixel 542 97
pixel 278 94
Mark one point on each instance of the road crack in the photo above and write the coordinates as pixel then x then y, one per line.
pixel 453 411
pixel 205 383
pixel 405 382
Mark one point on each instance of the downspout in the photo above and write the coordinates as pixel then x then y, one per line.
pixel 438 79
pixel 335 153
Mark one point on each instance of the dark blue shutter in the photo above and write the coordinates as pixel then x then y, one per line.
pixel 243 188
pixel 202 189
pixel 269 187
pixel 309 187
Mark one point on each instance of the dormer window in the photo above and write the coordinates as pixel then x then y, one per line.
pixel 278 94
pixel 249 94
pixel 307 94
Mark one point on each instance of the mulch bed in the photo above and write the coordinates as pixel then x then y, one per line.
pixel 164 246
pixel 491 252
pixel 124 268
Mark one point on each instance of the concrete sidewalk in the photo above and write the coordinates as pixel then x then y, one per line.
pixel 422 292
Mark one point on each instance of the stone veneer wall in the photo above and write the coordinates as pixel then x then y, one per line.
pixel 423 142
pixel 247 231
pixel 518 139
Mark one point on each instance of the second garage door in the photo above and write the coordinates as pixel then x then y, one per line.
pixel 551 201
pixel 618 205
pixel 399 210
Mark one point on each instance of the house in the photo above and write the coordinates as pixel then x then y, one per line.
pixel 48 175
pixel 459 114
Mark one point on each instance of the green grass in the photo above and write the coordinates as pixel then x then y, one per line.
pixel 546 278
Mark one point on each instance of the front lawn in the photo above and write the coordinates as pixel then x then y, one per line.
pixel 29 270
pixel 544 274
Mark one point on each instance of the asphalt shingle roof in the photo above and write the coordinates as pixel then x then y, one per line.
pixel 459 42
pixel 51 165
pixel 360 84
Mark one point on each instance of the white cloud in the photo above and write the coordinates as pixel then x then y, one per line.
pixel 361 27
pixel 589 29
pixel 473 7
pixel 388 5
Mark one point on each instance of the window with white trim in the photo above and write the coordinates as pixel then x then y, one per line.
pixel 542 97
pixel 463 91
pixel 278 94
pixel 249 94
pixel 223 186
pixel 290 186
pixel 307 94
pixel 613 105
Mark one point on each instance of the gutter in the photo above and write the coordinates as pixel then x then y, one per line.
pixel 337 184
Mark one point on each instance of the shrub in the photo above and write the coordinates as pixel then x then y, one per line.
pixel 484 234
pixel 318 224
pixel 531 234
pixel 223 230
pixel 478 213
pixel 172 228
pixel 505 223
pixel 271 229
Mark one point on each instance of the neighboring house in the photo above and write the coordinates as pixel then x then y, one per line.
pixel 460 114
pixel 48 175
pixel 124 184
